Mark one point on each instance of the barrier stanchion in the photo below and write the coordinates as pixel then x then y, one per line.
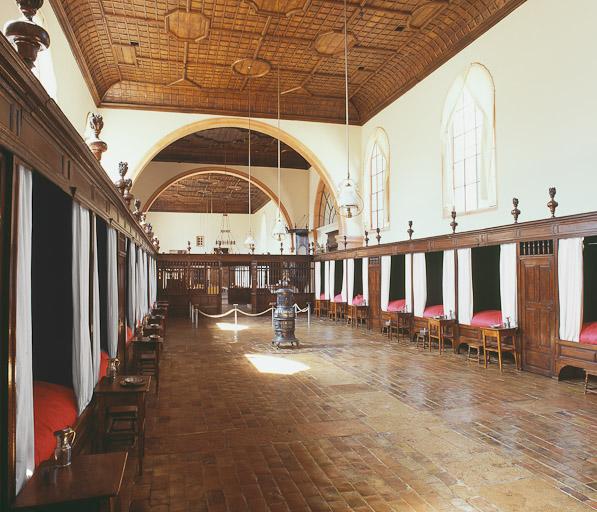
pixel 235 314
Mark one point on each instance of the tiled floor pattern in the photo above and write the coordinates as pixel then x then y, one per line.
pixel 364 425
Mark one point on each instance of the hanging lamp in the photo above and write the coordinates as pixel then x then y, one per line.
pixel 350 203
pixel 250 239
pixel 280 229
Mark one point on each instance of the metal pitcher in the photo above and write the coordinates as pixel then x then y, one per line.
pixel 64 446
pixel 113 366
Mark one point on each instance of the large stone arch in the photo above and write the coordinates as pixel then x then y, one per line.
pixel 219 170
pixel 239 122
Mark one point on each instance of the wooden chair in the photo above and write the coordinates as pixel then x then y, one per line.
pixel 351 315
pixel 422 337
pixel 404 324
pixel 442 329
pixel 474 345
pixel 500 335
pixel 362 313
pixel 589 373
pixel 388 322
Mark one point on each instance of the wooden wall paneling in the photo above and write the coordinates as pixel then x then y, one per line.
pixel 34 128
pixel 375 292
pixel 7 348
pixel 122 270
pixel 10 252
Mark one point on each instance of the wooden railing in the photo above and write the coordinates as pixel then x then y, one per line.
pixel 206 280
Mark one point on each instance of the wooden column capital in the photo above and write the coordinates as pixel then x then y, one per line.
pixel 27 36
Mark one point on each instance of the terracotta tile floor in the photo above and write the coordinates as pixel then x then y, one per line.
pixel 351 421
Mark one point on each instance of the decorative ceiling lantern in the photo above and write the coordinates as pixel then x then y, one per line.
pixel 280 228
pixel 225 239
pixel 278 7
pixel 350 203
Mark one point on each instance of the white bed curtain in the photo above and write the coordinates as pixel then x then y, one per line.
pixel 317 280
pixel 326 275
pixel 332 280
pixel 25 441
pixel 96 322
pixel 112 292
pixel 419 283
pixel 465 286
pixel 154 282
pixel 82 359
pixel 132 286
pixel 508 283
pixel 386 272
pixel 449 284
pixel 345 278
pixel 349 273
pixel 139 284
pixel 570 284
pixel 366 280
pixel 408 283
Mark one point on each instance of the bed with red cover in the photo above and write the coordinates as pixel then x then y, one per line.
pixel 54 408
pixel 488 318
pixel 433 311
pixel 588 334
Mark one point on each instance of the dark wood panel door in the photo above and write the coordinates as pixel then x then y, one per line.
pixel 537 321
pixel 374 292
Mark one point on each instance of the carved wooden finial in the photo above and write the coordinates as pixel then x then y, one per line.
pixel 311 247
pixel 97 146
pixel 366 238
pixel 127 196
pixel 188 247
pixel 410 230
pixel 515 212
pixel 137 212
pixel 281 248
pixel 123 168
pixel 28 37
pixel 453 224
pixel 345 242
pixel 552 204
pixel 378 236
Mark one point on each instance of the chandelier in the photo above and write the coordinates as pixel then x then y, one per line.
pixel 350 202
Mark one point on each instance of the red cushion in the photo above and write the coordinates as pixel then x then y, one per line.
pixel 129 334
pixel 54 408
pixel 588 334
pixel 358 300
pixel 487 318
pixel 432 311
pixel 338 298
pixel 104 358
pixel 397 305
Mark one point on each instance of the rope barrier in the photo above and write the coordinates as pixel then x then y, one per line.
pixel 235 310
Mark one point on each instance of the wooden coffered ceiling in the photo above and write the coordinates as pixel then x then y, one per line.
pixel 197 55
pixel 210 192
pixel 231 146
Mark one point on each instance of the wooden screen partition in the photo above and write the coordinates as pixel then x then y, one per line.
pixel 542 350
pixel 36 133
pixel 206 280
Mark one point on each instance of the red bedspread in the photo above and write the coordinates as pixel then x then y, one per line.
pixel 338 298
pixel 322 296
pixel 54 408
pixel 432 311
pixel 487 318
pixel 397 305
pixel 588 334
pixel 358 300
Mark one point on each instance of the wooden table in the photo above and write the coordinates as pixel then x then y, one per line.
pixel 91 482
pixel 111 393
pixel 442 329
pixel 500 334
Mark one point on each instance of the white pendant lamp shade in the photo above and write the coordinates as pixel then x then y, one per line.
pixel 350 202
pixel 249 241
pixel 280 229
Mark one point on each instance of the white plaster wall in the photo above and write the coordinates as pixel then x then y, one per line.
pixel 294 183
pixel 545 73
pixel 72 94
pixel 175 229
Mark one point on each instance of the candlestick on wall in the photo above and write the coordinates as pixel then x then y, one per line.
pixel 552 204
pixel 453 224
pixel 515 212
